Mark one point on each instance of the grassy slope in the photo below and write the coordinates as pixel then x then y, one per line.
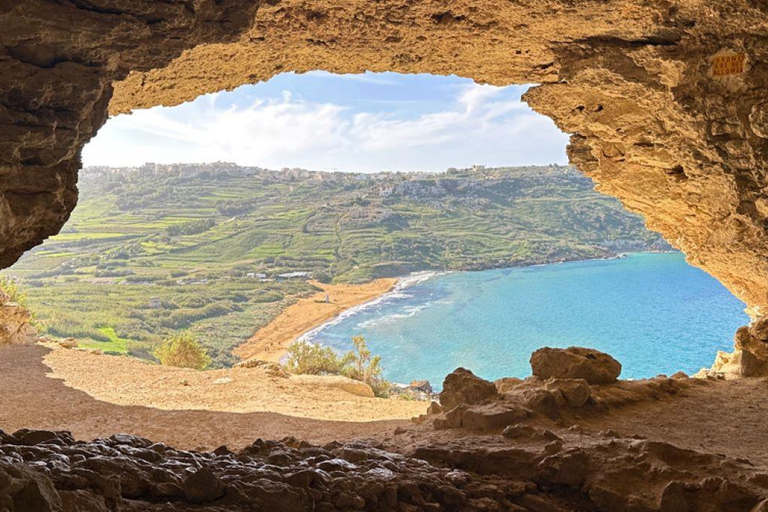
pixel 190 241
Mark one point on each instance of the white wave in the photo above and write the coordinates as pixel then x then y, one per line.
pixel 408 312
pixel 396 293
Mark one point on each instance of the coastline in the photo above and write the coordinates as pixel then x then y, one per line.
pixel 311 314
pixel 271 342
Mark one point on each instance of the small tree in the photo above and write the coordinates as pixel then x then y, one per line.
pixel 184 351
pixel 365 368
pixel 357 364
pixel 313 359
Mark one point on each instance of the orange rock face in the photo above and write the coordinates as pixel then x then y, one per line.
pixel 15 328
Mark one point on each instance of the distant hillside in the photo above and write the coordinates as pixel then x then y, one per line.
pixel 342 226
pixel 208 234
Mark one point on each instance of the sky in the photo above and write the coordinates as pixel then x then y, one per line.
pixel 356 123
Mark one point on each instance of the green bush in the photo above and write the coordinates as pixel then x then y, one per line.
pixel 314 359
pixel 366 368
pixel 358 364
pixel 184 351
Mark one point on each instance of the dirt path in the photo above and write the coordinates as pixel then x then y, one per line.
pixel 271 341
pixel 31 399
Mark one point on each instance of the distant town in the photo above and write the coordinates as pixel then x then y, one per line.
pixel 286 173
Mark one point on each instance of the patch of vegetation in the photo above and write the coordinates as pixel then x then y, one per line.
pixel 358 364
pixel 115 345
pixel 184 351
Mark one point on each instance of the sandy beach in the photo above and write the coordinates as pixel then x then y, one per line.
pixel 270 342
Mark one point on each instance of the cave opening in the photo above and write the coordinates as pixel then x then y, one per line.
pixel 666 106
pixel 185 226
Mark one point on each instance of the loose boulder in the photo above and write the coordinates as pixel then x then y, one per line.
pixel 593 366
pixel 422 386
pixel 464 387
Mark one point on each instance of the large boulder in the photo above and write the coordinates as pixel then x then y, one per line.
pixel 593 366
pixel 464 387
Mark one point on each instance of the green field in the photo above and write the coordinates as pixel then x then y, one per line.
pixel 144 256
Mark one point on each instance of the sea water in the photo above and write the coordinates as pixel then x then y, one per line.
pixel 652 312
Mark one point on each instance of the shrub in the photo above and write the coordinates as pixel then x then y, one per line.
pixel 190 228
pixel 366 368
pixel 357 364
pixel 184 351
pixel 314 359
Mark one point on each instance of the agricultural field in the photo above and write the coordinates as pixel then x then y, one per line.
pixel 146 254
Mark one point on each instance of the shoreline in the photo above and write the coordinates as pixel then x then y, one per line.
pixel 271 342
pixel 310 314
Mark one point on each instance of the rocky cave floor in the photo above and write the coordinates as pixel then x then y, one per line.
pixel 540 445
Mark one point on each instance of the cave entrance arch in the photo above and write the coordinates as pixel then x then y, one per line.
pixel 665 102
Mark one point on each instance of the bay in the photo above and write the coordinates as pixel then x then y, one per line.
pixel 652 312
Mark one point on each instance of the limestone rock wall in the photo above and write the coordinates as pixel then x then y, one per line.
pixel 58 61
pixel 15 323
pixel 632 81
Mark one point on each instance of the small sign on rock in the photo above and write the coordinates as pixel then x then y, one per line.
pixel 729 64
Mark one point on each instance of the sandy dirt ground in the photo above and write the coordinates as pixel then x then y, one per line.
pixel 131 381
pixel 131 396
pixel 726 417
pixel 270 342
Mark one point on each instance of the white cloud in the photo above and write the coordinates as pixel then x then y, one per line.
pixel 482 124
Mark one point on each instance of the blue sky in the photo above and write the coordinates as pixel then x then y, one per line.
pixel 357 123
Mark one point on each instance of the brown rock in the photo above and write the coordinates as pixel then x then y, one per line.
pixel 15 328
pixel 752 344
pixel 463 387
pixel 507 384
pixel 434 408
pixel 593 366
pixel 272 368
pixel 575 392
pixel 27 490
pixel 68 343
pixel 422 386
pixel 203 486
pixel 493 416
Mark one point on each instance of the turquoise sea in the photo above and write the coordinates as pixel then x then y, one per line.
pixel 653 312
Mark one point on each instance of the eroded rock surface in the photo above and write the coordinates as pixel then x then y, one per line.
pixel 462 387
pixel 472 405
pixel 527 469
pixel 750 357
pixel 128 473
pixel 59 61
pixel 15 327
